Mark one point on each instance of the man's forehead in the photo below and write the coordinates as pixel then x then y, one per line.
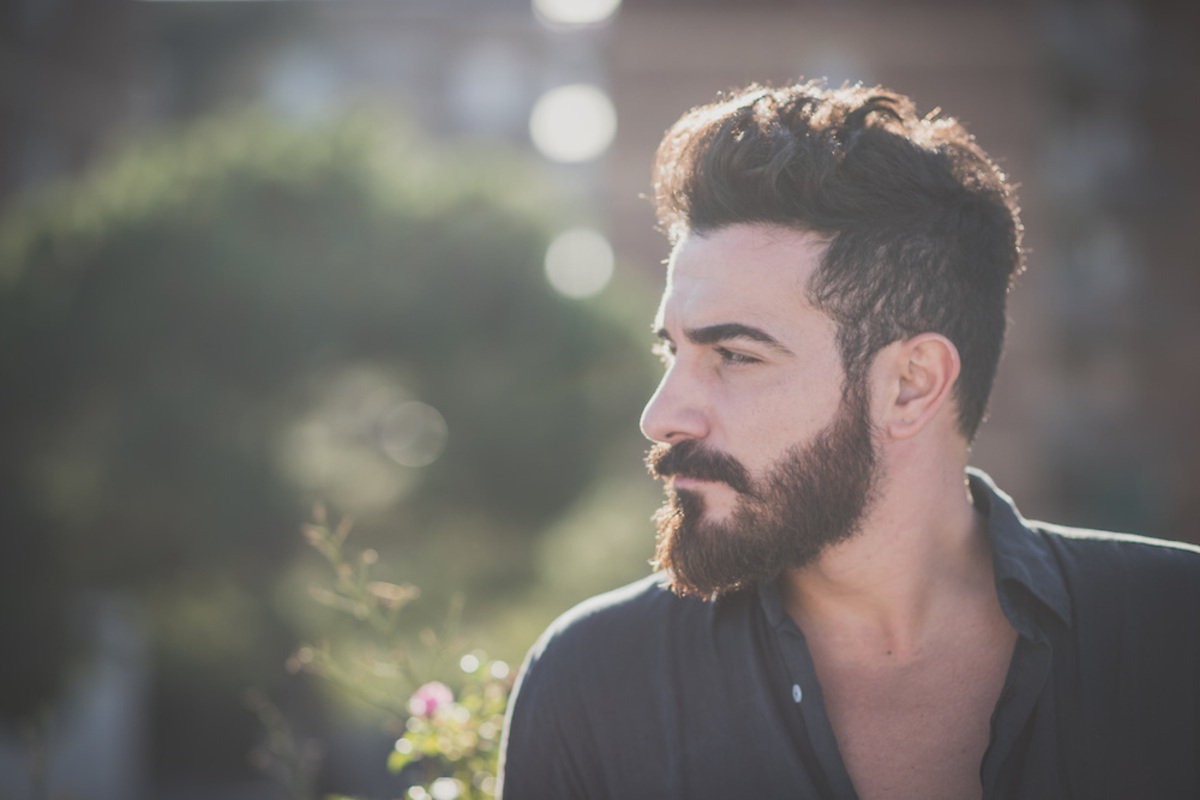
pixel 756 271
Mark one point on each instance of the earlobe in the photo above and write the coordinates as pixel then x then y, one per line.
pixel 926 368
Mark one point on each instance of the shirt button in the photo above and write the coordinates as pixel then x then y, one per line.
pixel 796 693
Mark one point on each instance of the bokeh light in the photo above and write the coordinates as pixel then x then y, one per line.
pixel 414 434
pixel 579 262
pixel 574 12
pixel 361 428
pixel 573 123
pixel 445 789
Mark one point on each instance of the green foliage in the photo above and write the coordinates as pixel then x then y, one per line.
pixel 172 303
pixel 207 333
pixel 372 674
pixel 459 740
pixel 451 733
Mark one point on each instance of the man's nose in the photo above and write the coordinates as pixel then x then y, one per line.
pixel 675 412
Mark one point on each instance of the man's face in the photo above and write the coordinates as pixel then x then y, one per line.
pixel 766 465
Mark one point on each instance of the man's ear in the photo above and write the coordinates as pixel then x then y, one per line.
pixel 919 377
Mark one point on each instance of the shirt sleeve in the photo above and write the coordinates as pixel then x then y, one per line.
pixel 539 751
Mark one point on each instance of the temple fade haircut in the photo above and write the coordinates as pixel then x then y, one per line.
pixel 922 228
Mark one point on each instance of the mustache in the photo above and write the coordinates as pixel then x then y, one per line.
pixel 689 459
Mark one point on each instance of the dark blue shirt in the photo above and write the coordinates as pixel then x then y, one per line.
pixel 639 693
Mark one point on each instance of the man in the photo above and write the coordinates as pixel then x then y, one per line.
pixel 843 609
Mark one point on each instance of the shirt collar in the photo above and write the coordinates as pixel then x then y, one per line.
pixel 1021 558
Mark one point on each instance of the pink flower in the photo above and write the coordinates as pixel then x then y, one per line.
pixel 429 698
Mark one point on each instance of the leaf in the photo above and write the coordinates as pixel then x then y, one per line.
pixel 390 594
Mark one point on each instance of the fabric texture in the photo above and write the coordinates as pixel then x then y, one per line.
pixel 639 693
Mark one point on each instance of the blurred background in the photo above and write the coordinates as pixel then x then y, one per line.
pixel 397 258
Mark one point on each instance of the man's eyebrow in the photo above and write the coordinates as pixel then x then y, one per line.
pixel 711 334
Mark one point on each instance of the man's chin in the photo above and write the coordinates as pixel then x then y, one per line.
pixel 699 551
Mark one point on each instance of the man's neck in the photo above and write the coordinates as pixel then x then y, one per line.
pixel 909 641
pixel 922 554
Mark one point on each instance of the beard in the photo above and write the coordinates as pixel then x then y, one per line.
pixel 814 497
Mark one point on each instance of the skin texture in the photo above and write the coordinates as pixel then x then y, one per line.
pixel 901 618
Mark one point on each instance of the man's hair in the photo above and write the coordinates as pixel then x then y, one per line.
pixel 922 228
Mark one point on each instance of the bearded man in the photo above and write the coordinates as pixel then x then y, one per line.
pixel 843 609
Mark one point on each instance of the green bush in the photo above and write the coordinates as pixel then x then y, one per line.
pixel 211 331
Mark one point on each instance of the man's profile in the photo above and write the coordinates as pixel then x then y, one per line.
pixel 843 608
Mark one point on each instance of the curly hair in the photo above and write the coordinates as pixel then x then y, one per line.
pixel 922 227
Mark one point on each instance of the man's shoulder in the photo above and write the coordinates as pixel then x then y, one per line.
pixel 603 661
pixel 1124 551
pixel 602 698
pixel 1124 566
pixel 607 624
pixel 634 636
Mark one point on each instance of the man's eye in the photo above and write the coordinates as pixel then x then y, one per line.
pixel 731 357
pixel 665 352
